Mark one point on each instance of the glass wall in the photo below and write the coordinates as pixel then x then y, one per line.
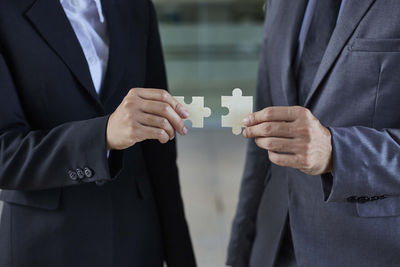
pixel 211 47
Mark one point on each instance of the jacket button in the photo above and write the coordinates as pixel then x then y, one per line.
pixel 80 173
pixel 73 175
pixel 88 172
pixel 352 199
pixel 363 199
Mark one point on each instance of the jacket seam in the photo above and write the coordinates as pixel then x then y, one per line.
pixel 378 87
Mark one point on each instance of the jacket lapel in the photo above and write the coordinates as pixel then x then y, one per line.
pixel 122 27
pixel 115 66
pixel 352 13
pixel 289 33
pixel 51 22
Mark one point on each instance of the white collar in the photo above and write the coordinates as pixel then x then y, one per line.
pixel 98 5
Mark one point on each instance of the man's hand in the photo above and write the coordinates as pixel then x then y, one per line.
pixel 145 114
pixel 293 137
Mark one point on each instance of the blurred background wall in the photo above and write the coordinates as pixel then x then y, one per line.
pixel 211 47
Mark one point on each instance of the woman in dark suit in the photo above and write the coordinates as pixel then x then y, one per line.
pixel 87 164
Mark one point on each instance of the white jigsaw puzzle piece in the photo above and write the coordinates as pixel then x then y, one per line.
pixel 196 110
pixel 239 107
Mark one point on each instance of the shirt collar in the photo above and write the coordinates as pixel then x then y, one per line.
pixel 98 6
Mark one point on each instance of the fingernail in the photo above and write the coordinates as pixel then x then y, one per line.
pixel 246 121
pixel 184 112
pixel 185 130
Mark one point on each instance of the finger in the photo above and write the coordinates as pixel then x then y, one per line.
pixel 157 122
pixel 284 160
pixel 281 145
pixel 270 114
pixel 269 129
pixel 152 133
pixel 164 96
pixel 164 110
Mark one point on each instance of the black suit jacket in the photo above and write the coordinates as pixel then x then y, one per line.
pixel 66 204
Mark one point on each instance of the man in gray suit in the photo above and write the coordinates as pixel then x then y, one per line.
pixel 321 185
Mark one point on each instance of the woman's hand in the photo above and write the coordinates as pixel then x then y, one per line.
pixel 145 114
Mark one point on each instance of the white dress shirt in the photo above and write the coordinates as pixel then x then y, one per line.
pixel 87 20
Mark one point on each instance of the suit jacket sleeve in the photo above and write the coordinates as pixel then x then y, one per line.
pixel 366 163
pixel 161 160
pixel 41 159
pixel 252 187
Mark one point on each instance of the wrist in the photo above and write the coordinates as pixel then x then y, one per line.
pixel 109 144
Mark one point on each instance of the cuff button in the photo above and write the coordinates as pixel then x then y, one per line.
pixel 88 173
pixel 352 199
pixel 73 175
pixel 80 174
pixel 375 198
pixel 363 199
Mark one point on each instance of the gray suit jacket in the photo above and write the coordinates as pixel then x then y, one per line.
pixel 352 217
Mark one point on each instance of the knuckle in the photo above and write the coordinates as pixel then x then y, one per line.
pixel 128 103
pixel 249 133
pixel 268 113
pixel 305 131
pixel 304 112
pixel 181 123
pixel 161 134
pixel 267 128
pixel 127 106
pixel 164 123
pixel 308 147
pixel 164 95
pixel 269 144
pixel 252 118
pixel 132 91
pixel 165 108
pixel 309 134
pixel 129 117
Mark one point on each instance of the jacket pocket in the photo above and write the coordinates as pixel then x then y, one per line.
pixel 375 45
pixel 388 207
pixel 46 199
